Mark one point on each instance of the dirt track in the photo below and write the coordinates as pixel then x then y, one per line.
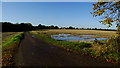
pixel 35 52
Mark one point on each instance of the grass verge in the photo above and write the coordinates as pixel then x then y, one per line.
pixel 9 49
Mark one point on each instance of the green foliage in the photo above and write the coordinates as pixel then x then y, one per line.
pixel 84 45
pixel 110 50
pixel 112 56
pixel 115 43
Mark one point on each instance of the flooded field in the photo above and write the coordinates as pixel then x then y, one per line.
pixel 70 37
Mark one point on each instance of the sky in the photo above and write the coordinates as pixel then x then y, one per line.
pixel 48 0
pixel 0 11
pixel 57 0
pixel 62 14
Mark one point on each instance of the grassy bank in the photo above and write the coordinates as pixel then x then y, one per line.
pixel 99 49
pixel 10 43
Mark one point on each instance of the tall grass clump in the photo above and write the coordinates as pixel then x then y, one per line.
pixel 110 50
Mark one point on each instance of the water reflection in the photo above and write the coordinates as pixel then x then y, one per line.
pixel 69 37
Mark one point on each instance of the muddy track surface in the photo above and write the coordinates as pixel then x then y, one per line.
pixel 35 52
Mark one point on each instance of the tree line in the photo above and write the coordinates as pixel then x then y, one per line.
pixel 10 27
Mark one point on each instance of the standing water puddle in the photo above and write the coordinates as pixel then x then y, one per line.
pixel 69 37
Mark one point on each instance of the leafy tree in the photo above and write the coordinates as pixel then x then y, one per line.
pixel 109 13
